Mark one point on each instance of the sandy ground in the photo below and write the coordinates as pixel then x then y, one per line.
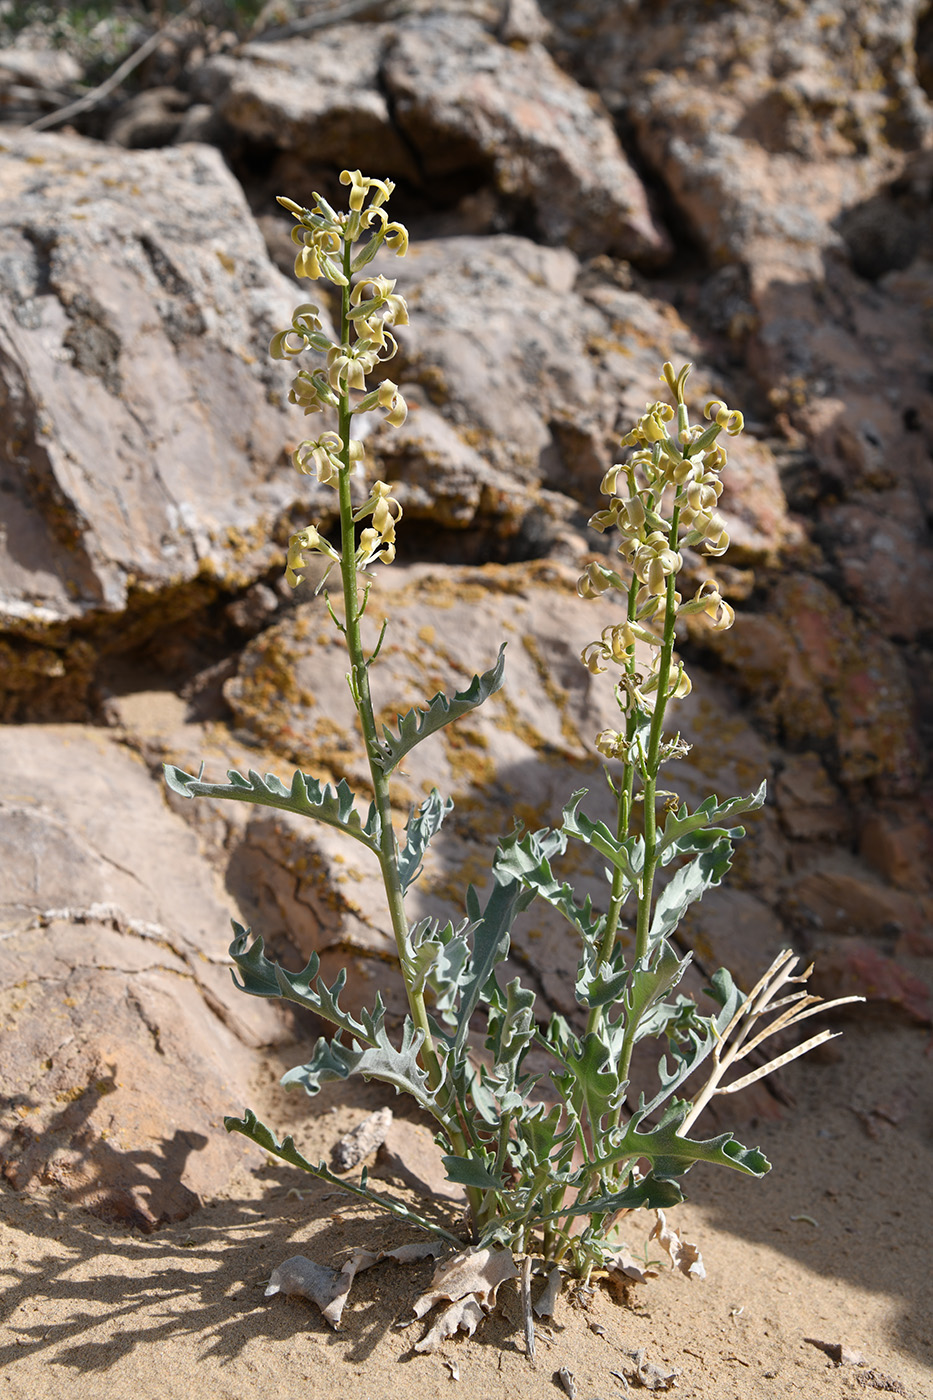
pixel 834 1247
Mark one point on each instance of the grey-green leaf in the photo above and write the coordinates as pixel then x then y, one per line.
pixel 423 824
pixel 467 1171
pixel 250 1127
pixel 306 796
pixel 442 710
pixel 261 977
pixel 383 1061
pixel 688 884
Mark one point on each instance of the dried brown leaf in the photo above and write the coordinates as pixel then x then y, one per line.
pixel 329 1288
pixel 411 1253
pixel 682 1254
pixel 358 1261
pixel 653 1377
pixel 475 1271
pixel 838 1352
pixel 546 1304
pixel 568 1381
pixel 464 1315
pixel 626 1266
pixel 301 1277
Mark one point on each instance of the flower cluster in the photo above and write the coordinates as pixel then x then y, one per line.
pixel 664 497
pixel 371 307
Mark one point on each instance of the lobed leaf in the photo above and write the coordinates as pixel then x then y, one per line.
pixel 688 884
pixel 250 1127
pixel 671 1155
pixel 684 829
pixel 334 806
pixel 442 710
pixel 399 1067
pixel 627 856
pixel 422 826
pixel 469 1171
pixel 650 1193
pixel 528 858
pixel 261 977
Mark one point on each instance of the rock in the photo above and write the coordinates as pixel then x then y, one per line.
pixel 39 68
pixel 539 397
pixel 443 102
pixel 765 122
pixel 837 896
pixel 897 842
pixel 318 98
pixel 146 435
pixel 153 117
pixel 35 81
pixel 810 806
pixel 859 969
pixel 825 680
pixel 125 1041
pixel 523 23
pixel 461 99
pixel 356 1145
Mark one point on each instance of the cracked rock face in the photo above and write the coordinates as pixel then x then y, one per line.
pixel 444 102
pixel 124 1039
pixel 144 432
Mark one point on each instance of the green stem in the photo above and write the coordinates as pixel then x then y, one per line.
pixel 362 698
pixel 652 767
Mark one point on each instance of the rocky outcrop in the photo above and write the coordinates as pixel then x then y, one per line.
pixel 447 107
pixel 147 496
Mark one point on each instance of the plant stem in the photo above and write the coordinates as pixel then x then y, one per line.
pixel 362 699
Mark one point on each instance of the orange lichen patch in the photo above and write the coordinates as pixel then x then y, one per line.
pixel 465 751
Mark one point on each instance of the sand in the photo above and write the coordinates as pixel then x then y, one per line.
pixel 831 1250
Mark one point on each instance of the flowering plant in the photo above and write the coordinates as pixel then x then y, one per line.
pixel 544 1180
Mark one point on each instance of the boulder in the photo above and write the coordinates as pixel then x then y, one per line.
pixel 449 109
pixel 824 681
pixel 534 364
pixel 125 1041
pixel 145 438
pixel 794 141
pixel 765 121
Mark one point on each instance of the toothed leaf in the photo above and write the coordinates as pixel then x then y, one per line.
pixel 262 977
pixel 671 1155
pixel 442 710
pixel 696 831
pixel 423 824
pixel 466 1171
pixel 383 1061
pixel 306 796
pixel 688 884
pixel 250 1127
pixel 627 856
pixel 528 858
